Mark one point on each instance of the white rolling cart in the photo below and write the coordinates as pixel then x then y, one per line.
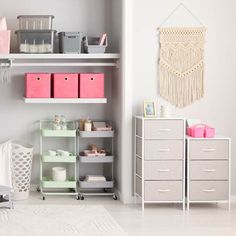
pixel 47 185
pixel 102 187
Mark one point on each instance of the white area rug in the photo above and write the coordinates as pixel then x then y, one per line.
pixel 57 220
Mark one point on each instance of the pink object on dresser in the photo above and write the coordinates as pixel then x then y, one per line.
pixel 201 131
pixel 5 36
pixel 65 85
pixel 91 86
pixel 37 85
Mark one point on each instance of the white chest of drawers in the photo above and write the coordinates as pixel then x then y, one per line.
pixel 159 160
pixel 208 170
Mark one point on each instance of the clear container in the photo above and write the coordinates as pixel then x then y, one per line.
pixel 35 22
pixel 35 41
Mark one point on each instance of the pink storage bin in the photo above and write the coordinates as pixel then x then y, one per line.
pixel 209 132
pixel 91 86
pixel 65 85
pixel 5 36
pixel 197 131
pixel 37 85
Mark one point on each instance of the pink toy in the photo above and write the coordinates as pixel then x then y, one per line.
pixel 37 85
pixel 209 132
pixel 91 86
pixel 65 85
pixel 5 36
pixel 201 131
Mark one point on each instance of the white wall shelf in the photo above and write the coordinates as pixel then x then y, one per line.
pixel 58 59
pixel 66 100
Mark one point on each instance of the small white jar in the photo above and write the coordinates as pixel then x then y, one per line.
pixel 88 125
pixel 165 111
pixel 59 174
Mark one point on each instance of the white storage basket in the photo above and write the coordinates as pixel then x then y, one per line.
pixel 22 156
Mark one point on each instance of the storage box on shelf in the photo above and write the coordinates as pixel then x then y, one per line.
pixel 92 45
pixel 208 175
pixel 70 42
pixel 5 38
pixel 35 22
pixel 35 41
pixel 159 160
pixel 65 85
pixel 37 85
pixel 91 85
pixel 108 185
pixel 46 184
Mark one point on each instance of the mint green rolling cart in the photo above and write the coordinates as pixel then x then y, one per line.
pixel 47 185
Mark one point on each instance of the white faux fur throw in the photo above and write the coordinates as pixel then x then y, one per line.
pixel 181 64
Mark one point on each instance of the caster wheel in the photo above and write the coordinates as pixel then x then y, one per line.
pixel 114 197
pixel 82 198
pixel 105 190
pixel 38 189
pixel 78 197
pixel 43 198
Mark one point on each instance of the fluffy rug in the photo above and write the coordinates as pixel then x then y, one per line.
pixel 57 220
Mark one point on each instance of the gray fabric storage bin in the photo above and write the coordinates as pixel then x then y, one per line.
pixel 70 42
pixel 91 45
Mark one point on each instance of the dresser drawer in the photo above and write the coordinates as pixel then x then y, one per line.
pixel 209 170
pixel 163 129
pixel 163 149
pixel 163 191
pixel 208 190
pixel 209 149
pixel 163 170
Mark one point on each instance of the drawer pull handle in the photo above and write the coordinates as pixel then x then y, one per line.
pixel 163 149
pixel 164 130
pixel 163 170
pixel 209 170
pixel 209 190
pixel 208 149
pixel 163 190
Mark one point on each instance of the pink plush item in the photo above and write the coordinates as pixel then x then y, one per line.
pixel 5 37
pixel 197 131
pixel 3 23
pixel 91 86
pixel 209 132
pixel 65 85
pixel 38 85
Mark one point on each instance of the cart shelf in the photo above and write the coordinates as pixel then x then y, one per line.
pixel 59 159
pixel 96 159
pixel 58 133
pixel 96 134
pixel 58 184
pixel 95 185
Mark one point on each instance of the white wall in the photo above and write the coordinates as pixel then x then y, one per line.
pixel 218 107
pixel 17 119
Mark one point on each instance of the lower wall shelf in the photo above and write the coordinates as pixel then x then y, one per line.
pixel 66 100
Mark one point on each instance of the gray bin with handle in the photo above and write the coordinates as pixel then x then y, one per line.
pixel 22 157
pixel 70 42
pixel 91 45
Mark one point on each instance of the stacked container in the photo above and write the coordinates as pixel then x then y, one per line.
pixel 35 34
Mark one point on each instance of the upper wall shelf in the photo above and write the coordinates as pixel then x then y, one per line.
pixel 24 60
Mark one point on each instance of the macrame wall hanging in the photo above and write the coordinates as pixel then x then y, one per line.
pixel 181 63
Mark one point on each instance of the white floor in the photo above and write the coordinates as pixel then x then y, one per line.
pixel 161 220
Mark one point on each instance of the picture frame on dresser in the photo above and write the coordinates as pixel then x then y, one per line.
pixel 149 109
pixel 159 160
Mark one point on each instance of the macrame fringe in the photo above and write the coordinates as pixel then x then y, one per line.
pixel 181 65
